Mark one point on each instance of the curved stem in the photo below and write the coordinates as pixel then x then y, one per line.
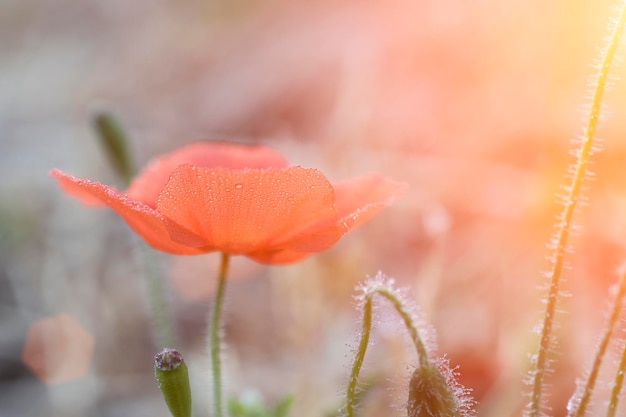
pixel 602 347
pixel 215 333
pixel 540 365
pixel 360 355
pixel 409 323
pixel 387 292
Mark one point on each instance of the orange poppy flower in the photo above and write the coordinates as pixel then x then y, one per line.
pixel 240 200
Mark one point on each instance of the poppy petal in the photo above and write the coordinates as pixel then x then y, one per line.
pixel 246 211
pixel 356 201
pixel 149 183
pixel 359 199
pixel 282 257
pixel 145 221
pixel 69 186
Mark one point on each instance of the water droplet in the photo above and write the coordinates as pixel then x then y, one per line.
pixel 239 186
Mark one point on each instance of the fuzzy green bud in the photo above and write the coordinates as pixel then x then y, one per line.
pixel 171 374
pixel 430 395
pixel 115 144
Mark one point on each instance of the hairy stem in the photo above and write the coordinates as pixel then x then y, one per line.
pixel 581 408
pixel 540 364
pixel 617 386
pixel 388 293
pixel 164 332
pixel 115 144
pixel 409 322
pixel 215 335
pixel 360 355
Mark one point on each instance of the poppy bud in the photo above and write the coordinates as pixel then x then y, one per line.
pixel 430 395
pixel 115 144
pixel 170 371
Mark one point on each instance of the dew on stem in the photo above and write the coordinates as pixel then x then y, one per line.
pixel 579 402
pixel 433 390
pixel 579 172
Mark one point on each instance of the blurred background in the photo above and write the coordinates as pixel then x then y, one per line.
pixel 473 103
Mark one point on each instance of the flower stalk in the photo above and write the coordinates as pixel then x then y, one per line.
pixel 540 364
pixel 580 405
pixel 617 386
pixel 215 336
pixel 366 329
pixel 115 143
pixel 384 289
pixel 163 327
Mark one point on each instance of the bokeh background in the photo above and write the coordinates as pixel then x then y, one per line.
pixel 473 103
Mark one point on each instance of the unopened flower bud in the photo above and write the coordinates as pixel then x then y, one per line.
pixel 430 395
pixel 171 373
pixel 115 144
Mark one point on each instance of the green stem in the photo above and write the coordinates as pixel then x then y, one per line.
pixel 116 146
pixel 163 328
pixel 360 355
pixel 617 386
pixel 387 292
pixel 215 333
pixel 409 322
pixel 602 347
pixel 540 364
